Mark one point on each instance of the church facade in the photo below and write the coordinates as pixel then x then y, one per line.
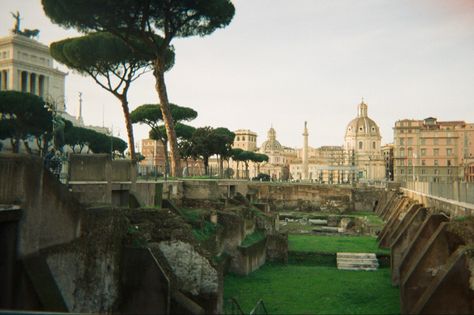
pixel 362 146
pixel 359 158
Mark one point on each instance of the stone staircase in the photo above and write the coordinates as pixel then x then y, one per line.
pixel 357 261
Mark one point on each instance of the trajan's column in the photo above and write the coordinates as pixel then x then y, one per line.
pixel 305 152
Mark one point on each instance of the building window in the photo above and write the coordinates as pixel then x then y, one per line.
pixel 402 152
pixel 410 152
pixel 436 162
pixel 373 145
pixel 422 171
pixel 435 141
pixel 449 152
pixel 448 141
pixel 401 171
pixel 410 163
pixel 401 141
pixel 410 141
pixel 243 138
pixel 361 145
pixel 435 152
pixel 423 152
pixel 423 162
pixel 423 141
pixel 238 139
pixel 448 162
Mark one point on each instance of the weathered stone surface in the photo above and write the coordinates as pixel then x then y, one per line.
pixel 357 261
pixel 250 258
pixel 277 247
pixel 193 272
pixel 87 269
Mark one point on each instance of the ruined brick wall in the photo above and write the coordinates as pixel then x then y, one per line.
pixel 248 259
pixel 277 247
pixel 304 197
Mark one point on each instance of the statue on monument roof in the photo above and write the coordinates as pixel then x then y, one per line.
pixel 26 32
pixel 16 27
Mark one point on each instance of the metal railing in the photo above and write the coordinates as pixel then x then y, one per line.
pixel 259 309
pixel 232 307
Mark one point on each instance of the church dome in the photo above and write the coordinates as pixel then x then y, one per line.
pixel 362 125
pixel 271 144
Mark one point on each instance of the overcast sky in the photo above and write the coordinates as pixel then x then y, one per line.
pixel 282 62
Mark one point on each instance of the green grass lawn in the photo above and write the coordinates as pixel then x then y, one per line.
pixel 334 244
pixel 296 289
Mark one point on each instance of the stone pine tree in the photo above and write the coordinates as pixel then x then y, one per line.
pixel 143 20
pixel 23 115
pixel 223 140
pixel 152 116
pixel 110 62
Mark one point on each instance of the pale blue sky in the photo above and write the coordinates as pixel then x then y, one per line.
pixel 283 62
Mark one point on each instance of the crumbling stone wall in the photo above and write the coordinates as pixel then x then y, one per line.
pixel 249 258
pixel 87 270
pixel 277 247
pixel 304 197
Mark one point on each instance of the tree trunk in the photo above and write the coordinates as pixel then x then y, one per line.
pixel 27 147
pixel 128 124
pixel 247 170
pixel 206 165
pixel 221 167
pixel 165 152
pixel 15 143
pixel 160 86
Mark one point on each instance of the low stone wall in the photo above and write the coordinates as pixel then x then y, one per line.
pixel 213 189
pixel 249 258
pixel 304 197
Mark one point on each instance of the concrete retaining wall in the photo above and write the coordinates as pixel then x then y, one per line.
pixel 432 255
pixel 96 179
pixel 51 215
